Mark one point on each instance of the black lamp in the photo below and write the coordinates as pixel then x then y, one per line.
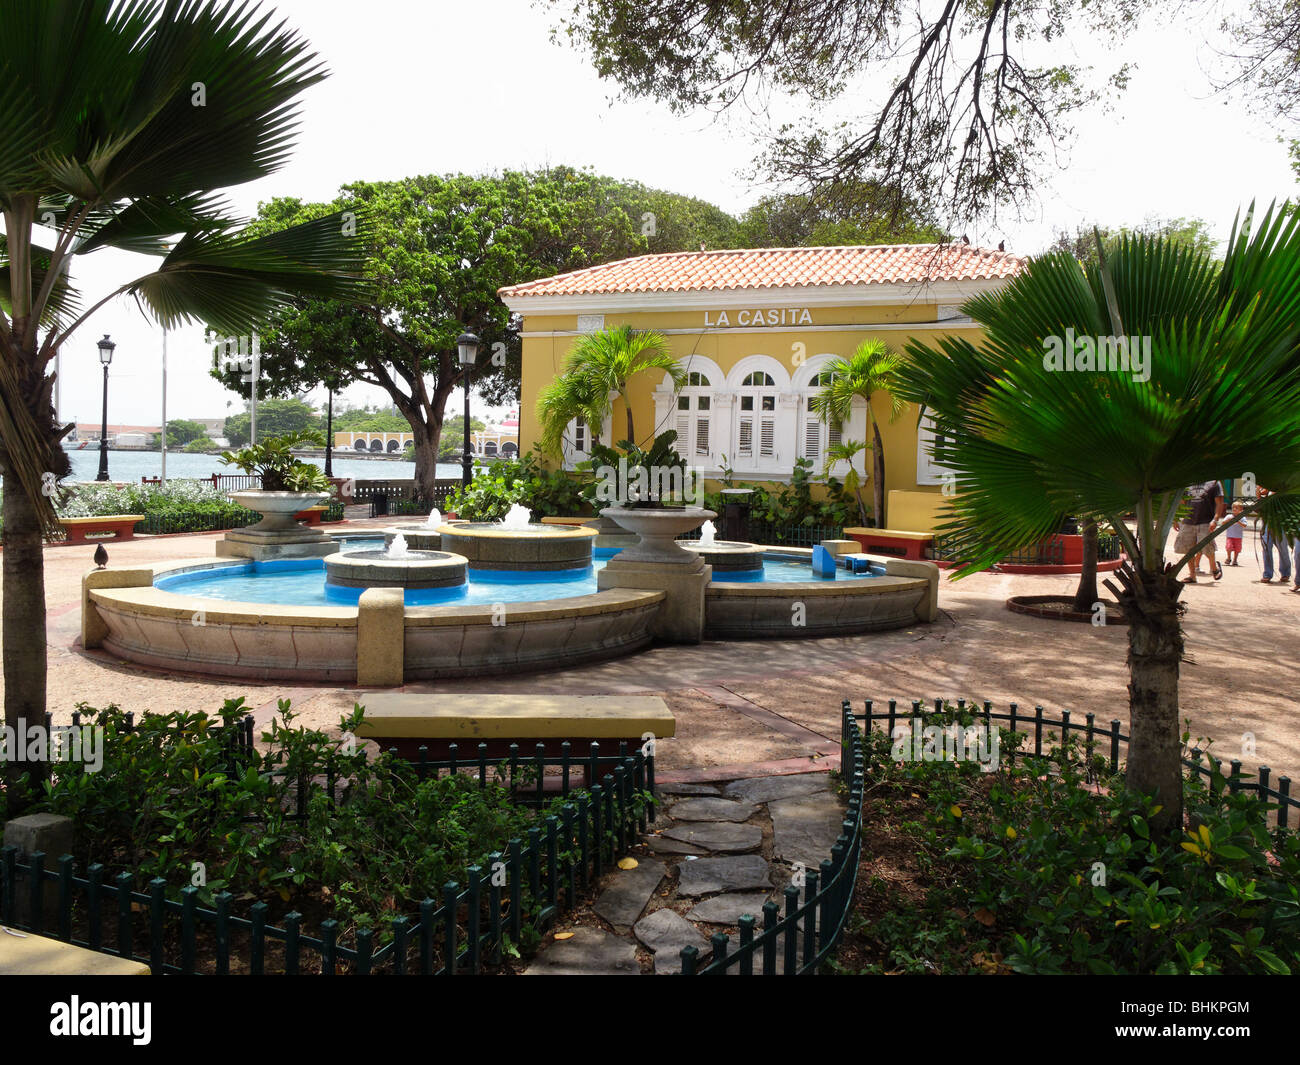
pixel 106 349
pixel 467 348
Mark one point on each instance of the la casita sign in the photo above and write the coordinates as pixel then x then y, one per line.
pixel 760 316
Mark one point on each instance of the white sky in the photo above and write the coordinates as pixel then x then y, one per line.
pixel 437 87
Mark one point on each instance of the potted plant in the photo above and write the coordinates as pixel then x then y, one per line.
pixel 289 484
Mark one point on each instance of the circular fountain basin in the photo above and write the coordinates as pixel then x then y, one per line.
pixel 377 569
pixel 489 546
pixel 727 556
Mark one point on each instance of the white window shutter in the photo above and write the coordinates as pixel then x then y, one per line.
pixel 812 439
pixel 767 437
pixel 746 443
pixel 701 435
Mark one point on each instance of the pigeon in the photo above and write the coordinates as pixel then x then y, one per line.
pixel 101 557
pixel 1002 245
pixel 965 239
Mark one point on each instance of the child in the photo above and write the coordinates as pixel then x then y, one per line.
pixel 1233 536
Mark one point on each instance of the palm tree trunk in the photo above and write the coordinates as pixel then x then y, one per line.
pixel 1150 602
pixel 627 408
pixel 22 626
pixel 1086 594
pixel 877 473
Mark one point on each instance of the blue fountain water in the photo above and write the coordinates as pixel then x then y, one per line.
pixel 301 582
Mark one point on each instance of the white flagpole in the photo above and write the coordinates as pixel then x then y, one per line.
pixel 164 410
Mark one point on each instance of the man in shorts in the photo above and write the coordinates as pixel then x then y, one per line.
pixel 1207 510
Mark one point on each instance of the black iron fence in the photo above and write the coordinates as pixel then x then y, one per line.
pixel 529 883
pixel 397 498
pixel 1102 745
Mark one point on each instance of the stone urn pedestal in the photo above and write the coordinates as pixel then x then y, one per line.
pixel 656 563
pixel 277 535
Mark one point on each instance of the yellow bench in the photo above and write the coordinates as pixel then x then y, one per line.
pixel 408 722
pixel 27 954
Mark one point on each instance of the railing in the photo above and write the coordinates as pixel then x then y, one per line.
pixel 1109 738
pixel 791 535
pixel 809 931
pixel 1048 553
pixel 398 498
pixel 229 482
pixel 469 926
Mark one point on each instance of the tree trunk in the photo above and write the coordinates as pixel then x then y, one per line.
pixel 627 407
pixel 1086 594
pixel 426 458
pixel 1151 606
pixel 877 474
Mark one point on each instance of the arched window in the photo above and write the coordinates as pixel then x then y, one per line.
pixel 694 417
pixel 358 444
pixel 756 420
pixel 816 436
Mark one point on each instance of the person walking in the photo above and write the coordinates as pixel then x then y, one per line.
pixel 1267 543
pixel 1206 511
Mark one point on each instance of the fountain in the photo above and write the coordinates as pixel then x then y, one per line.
pixel 731 557
pixel 423 537
pixel 516 544
pixel 396 566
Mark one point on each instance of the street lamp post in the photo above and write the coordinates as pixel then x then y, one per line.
pixel 106 348
pixel 329 437
pixel 467 346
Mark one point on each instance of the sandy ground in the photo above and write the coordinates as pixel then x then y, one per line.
pixel 749 703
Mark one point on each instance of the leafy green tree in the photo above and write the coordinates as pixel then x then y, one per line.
pixel 275 417
pixel 870 369
pixel 570 396
pixel 1031 436
pixel 864 214
pixel 441 248
pixel 119 123
pixel 1191 232
pixel 848 451
pixel 181 432
pixel 968 98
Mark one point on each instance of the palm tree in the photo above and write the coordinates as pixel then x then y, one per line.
pixel 117 123
pixel 610 358
pixel 870 369
pixel 1211 389
pixel 848 451
pixel 570 396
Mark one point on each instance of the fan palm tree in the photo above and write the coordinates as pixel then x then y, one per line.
pixel 1211 389
pixel 610 358
pixel 870 369
pixel 118 121
pixel 848 451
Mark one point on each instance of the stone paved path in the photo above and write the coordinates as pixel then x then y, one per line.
pixel 715 853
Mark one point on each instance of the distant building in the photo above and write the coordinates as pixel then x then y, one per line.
pixel 490 442
pixel 118 435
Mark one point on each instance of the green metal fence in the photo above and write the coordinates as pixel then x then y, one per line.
pixel 467 927
pixel 1102 745
pixel 807 933
pixel 792 535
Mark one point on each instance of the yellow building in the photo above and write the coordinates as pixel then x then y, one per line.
pixel 756 330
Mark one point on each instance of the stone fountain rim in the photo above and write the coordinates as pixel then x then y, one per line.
pixel 551 532
pixel 418 557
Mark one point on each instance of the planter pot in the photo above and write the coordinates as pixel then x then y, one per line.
pixel 658 530
pixel 277 508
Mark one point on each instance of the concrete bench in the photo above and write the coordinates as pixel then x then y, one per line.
pixel 900 543
pixel 408 722
pixel 27 954
pixel 122 526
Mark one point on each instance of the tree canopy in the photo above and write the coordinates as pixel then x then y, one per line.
pixel 966 100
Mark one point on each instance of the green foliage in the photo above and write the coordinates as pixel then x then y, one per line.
pixel 1033 869
pixel 793 504
pixel 181 432
pixel 1193 233
pixel 281 470
pixel 204 446
pixel 275 417
pixel 501 484
pixel 174 792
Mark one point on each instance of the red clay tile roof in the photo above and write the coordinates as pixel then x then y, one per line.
pixel 755 268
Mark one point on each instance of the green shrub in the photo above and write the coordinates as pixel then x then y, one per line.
pixel 497 487
pixel 174 792
pixel 1029 869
